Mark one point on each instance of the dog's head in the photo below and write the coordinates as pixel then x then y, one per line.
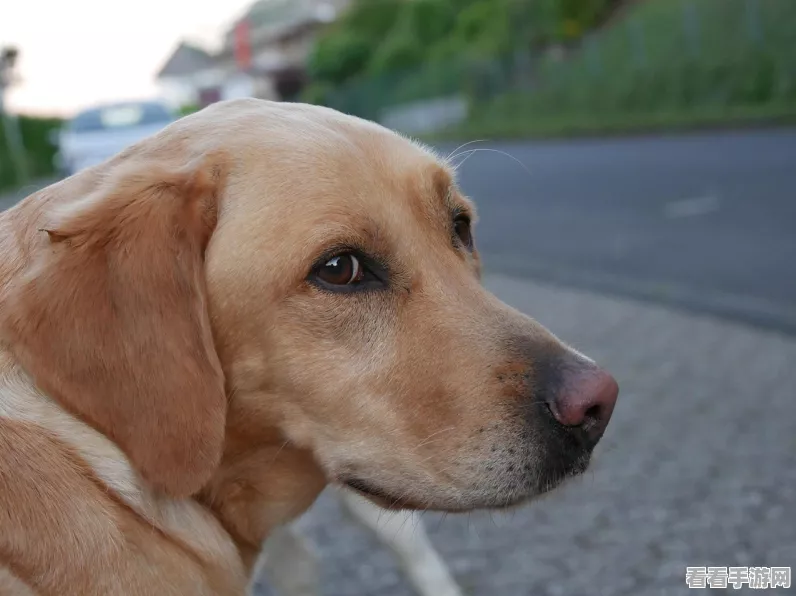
pixel 261 267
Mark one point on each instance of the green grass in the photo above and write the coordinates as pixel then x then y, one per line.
pixel 580 125
pixel 660 64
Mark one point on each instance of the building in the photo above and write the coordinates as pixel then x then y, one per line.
pixel 264 54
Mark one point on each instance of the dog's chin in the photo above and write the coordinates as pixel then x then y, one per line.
pixel 556 478
pixel 525 490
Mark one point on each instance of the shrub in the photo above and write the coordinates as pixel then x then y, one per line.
pixel 39 152
pixel 339 57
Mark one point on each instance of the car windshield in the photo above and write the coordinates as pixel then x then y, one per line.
pixel 120 116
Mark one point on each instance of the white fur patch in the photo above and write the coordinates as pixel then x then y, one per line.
pixel 11 585
pixel 185 520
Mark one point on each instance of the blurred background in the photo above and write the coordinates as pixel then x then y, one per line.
pixel 634 162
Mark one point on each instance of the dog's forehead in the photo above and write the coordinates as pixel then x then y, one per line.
pixel 385 173
pixel 399 189
pixel 316 177
pixel 330 158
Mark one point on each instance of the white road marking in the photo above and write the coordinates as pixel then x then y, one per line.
pixel 692 207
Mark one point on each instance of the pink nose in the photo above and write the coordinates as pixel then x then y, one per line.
pixel 586 401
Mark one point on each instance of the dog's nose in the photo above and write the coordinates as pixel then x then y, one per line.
pixel 585 402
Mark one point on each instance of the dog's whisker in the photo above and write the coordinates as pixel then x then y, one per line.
pixel 419 518
pixel 456 152
pixel 440 520
pixel 276 455
pixel 499 152
pixel 464 161
pixel 427 440
pixel 403 523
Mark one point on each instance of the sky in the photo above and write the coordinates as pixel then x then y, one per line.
pixel 74 53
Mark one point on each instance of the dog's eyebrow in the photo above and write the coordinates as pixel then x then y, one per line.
pixel 457 205
pixel 445 190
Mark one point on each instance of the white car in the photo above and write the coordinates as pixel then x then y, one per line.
pixel 96 134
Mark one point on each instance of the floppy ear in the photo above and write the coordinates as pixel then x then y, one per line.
pixel 111 319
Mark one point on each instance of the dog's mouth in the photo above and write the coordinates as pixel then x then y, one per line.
pixel 542 486
pixel 363 487
pixel 376 494
pixel 520 491
pixel 383 498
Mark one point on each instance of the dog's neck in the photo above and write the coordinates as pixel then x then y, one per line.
pixel 257 487
pixel 261 483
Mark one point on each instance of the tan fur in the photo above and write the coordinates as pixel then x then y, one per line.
pixel 172 387
pixel 86 336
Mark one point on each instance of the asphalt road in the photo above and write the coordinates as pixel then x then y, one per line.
pixel 702 221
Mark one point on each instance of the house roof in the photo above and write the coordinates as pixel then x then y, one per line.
pixel 186 59
pixel 262 39
pixel 271 14
pixel 271 21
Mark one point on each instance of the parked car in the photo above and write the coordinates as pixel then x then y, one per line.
pixel 94 135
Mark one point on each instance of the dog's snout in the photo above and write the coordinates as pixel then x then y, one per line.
pixel 585 402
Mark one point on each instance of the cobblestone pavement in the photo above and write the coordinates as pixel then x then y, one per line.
pixel 698 467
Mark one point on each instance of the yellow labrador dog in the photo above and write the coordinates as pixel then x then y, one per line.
pixel 200 334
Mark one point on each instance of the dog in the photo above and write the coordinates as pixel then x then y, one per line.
pixel 200 334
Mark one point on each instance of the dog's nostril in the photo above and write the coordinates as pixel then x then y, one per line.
pixel 593 413
pixel 585 401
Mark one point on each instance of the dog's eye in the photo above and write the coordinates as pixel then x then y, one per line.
pixel 461 227
pixel 342 270
pixel 348 270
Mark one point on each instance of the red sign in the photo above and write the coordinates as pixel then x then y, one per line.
pixel 243 48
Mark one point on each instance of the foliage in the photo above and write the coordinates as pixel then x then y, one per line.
pixel 339 57
pixel 377 37
pixel 663 63
pixel 538 61
pixel 484 29
pixel 400 51
pixel 187 109
pixel 39 152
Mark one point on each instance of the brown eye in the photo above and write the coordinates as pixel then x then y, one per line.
pixel 341 270
pixel 461 226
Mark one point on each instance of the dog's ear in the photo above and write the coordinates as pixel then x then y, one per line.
pixel 111 318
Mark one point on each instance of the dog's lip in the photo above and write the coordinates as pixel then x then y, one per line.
pixel 379 496
pixel 389 502
pixel 361 486
pixel 366 489
pixel 551 483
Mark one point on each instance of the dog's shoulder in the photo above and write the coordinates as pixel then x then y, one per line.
pixel 73 512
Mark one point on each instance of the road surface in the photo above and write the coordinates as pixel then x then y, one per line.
pixel 703 221
pixel 696 468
